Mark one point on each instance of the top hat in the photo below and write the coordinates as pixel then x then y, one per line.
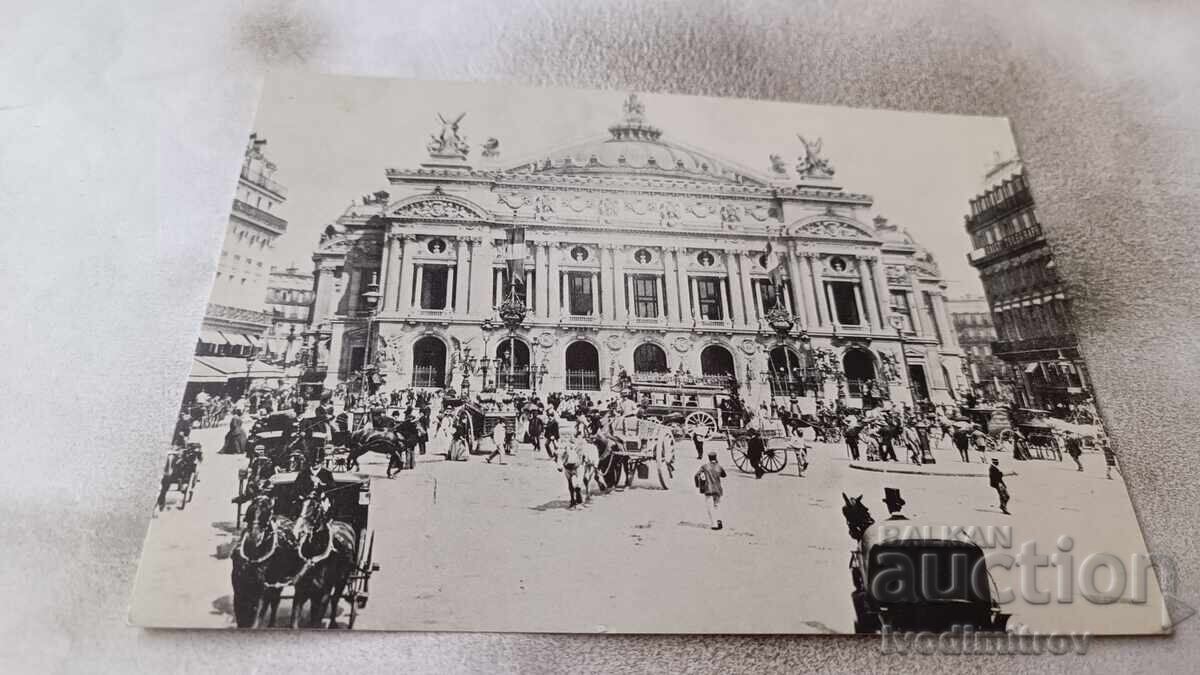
pixel 891 497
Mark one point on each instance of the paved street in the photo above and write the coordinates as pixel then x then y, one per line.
pixel 489 547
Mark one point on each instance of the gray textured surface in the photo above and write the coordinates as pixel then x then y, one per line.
pixel 118 125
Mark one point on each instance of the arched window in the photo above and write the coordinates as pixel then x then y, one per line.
pixel 859 366
pixel 716 360
pixel 512 364
pixel 649 358
pixel 789 373
pixel 583 367
pixel 429 363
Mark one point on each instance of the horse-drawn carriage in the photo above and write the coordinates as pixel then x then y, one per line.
pixel 180 473
pixel 307 547
pixel 777 443
pixel 640 442
pixel 703 405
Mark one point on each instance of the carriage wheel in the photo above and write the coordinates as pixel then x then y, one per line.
pixel 737 450
pixel 706 423
pixel 660 463
pixel 773 460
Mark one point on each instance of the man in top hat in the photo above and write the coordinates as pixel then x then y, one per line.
pixel 996 479
pixel 894 502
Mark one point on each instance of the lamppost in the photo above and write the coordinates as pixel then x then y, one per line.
pixel 897 322
pixel 781 321
pixel 371 297
pixel 485 361
pixel 251 356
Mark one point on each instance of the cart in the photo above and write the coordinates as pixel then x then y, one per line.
pixel 640 442
pixel 701 402
pixel 180 474
pixel 350 502
pixel 777 443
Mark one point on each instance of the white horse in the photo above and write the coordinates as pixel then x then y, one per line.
pixel 578 461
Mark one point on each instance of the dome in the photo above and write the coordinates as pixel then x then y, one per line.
pixel 636 147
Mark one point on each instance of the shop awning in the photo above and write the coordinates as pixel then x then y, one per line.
pixel 232 366
pixel 1030 367
pixel 212 337
pixel 203 372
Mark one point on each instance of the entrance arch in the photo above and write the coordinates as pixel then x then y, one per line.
pixel 717 360
pixel 512 364
pixel 429 362
pixel 650 358
pixel 859 367
pixel 787 372
pixel 582 363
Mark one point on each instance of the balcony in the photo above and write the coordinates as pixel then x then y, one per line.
pixel 260 217
pixel 260 179
pixel 1008 243
pixel 1044 343
pixel 1018 200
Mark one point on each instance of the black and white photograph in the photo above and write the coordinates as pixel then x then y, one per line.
pixel 485 357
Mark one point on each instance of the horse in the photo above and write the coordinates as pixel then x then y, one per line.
pixel 178 469
pixel 385 442
pixel 585 454
pixel 327 550
pixel 858 517
pixel 264 561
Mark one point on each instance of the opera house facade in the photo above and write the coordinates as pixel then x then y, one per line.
pixel 641 256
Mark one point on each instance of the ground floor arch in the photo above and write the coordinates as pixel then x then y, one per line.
pixel 650 358
pixel 859 368
pixel 581 363
pixel 717 360
pixel 429 362
pixel 788 373
pixel 512 364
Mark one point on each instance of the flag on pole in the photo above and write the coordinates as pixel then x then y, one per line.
pixel 516 256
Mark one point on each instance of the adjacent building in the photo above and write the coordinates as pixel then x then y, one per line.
pixel 289 299
pixel 972 318
pixel 640 254
pixel 236 319
pixel 1031 310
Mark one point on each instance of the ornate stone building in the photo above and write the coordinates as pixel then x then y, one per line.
pixel 641 254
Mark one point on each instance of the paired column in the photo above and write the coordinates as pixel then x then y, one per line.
pixel 595 295
pixel 804 266
pixel 737 316
pixel 677 287
pixel 949 339
pixel 752 308
pixel 869 290
pixel 462 278
pixel 616 259
pixel 529 290
pixel 405 273
pixel 758 302
pixel 385 271
pixel 662 305
pixel 694 296
pixel 629 294
pixel 831 307
pixel 819 308
pixel 539 265
pixel 863 320
pixel 796 286
pixel 876 267
pixel 482 255
pixel 914 311
pixel 417 287
pixel 333 372
pixel 554 290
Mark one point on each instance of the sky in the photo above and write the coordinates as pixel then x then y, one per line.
pixel 332 137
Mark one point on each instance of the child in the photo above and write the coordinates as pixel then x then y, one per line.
pixel 708 479
pixel 500 437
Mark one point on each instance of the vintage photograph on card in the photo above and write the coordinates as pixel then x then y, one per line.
pixel 483 357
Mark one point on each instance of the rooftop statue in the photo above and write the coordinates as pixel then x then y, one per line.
pixel 812 164
pixel 635 110
pixel 448 142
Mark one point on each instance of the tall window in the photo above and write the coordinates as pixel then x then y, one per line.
pixel 433 287
pixel 901 308
pixel 579 285
pixel 645 296
pixel 766 293
pixel 708 294
pixel 845 303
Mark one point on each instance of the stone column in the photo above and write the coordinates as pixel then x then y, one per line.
pixel 914 311
pixel 404 302
pixel 831 308
pixel 738 315
pixel 539 293
pixel 677 287
pixel 695 299
pixel 949 339
pixel 662 305
pixel 629 294
pixel 750 304
pixel 529 290
pixel 604 306
pixel 385 269
pixel 417 287
pixel 876 265
pixel 758 303
pixel 616 284
pixel 863 319
pixel 482 255
pixel 722 290
pixel 554 292
pixel 821 310
pixel 796 287
pixel 321 304
pixel 462 278
pixel 868 294
pixel 595 295
pixel 804 263
pixel 497 286
pixel 333 373
pixel 451 276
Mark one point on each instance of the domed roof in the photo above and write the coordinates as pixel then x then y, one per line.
pixel 636 147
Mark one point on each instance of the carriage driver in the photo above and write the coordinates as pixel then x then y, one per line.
pixel 314 479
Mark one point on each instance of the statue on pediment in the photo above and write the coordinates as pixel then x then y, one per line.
pixel 778 168
pixel 812 164
pixel 448 142
pixel 490 148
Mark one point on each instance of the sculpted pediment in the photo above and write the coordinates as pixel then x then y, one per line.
pixel 438 207
pixel 830 228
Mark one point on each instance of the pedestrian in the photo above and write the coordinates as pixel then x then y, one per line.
pixel 235 438
pixel 708 481
pixel 996 478
pixel 699 433
pixel 536 430
pixel 570 468
pixel 1074 449
pixel 888 433
pixel 851 436
pixel 500 438
pixel 894 502
pixel 551 434
pixel 980 439
pixel 1110 457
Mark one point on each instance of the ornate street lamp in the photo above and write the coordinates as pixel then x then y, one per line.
pixel 371 298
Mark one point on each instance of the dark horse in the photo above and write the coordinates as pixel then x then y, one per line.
pixel 326 547
pixel 385 442
pixel 858 517
pixel 178 470
pixel 264 561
